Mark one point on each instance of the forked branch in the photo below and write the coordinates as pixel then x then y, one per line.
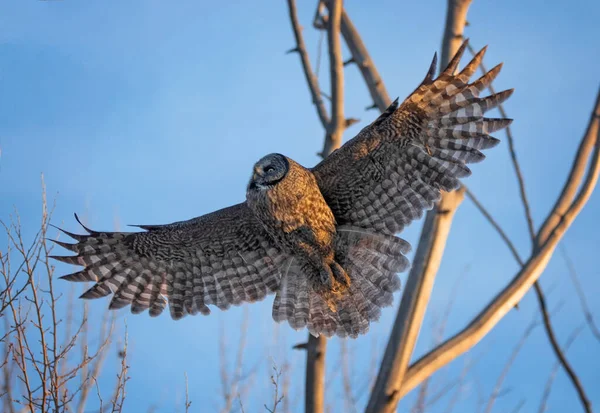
pixel 334 129
pixel 428 256
pixel 583 177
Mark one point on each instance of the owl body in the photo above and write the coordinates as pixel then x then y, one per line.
pixel 294 213
pixel 322 239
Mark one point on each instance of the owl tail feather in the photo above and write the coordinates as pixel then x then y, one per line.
pixel 371 262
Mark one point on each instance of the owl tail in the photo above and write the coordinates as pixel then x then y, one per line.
pixel 371 261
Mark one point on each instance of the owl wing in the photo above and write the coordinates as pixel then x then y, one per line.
pixel 396 167
pixel 221 258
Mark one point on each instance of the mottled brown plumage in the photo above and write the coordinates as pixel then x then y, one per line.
pixel 295 215
pixel 323 238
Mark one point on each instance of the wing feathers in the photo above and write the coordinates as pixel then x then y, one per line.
pixel 398 166
pixel 451 68
pixel 472 66
pixel 375 185
pixel 223 259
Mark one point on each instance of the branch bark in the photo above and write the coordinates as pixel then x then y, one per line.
pixel 552 376
pixel 537 287
pixel 334 129
pixel 428 256
pixel 311 79
pixel 534 266
pixel 589 317
pixel 333 139
pixel 363 60
pixel 391 385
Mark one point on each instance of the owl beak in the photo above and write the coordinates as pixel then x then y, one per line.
pixel 253 181
pixel 257 173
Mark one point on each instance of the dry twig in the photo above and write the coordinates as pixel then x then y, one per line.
pixel 32 354
pixel 534 239
pixel 589 317
pixel 426 262
pixel 548 387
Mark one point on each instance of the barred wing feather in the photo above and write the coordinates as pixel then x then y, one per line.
pixel 396 168
pixel 224 258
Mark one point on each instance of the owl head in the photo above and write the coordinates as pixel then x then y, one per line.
pixel 268 171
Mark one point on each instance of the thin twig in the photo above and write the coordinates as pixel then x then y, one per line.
pixel 511 360
pixel 552 376
pixel 588 160
pixel 311 79
pixel 276 397
pixel 426 262
pixel 349 399
pixel 534 239
pixel 188 403
pixel 589 318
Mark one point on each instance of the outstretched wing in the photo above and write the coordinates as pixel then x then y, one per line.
pixel 221 258
pixel 396 167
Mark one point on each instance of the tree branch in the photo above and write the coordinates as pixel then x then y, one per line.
pixel 511 360
pixel 552 376
pixel 532 269
pixel 363 60
pixel 336 128
pixel 569 191
pixel 537 287
pixel 311 79
pixel 428 256
pixel 589 318
pixel 315 374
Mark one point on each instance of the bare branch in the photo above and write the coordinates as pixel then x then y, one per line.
pixel 315 374
pixel 361 57
pixel 530 272
pixel 511 360
pixel 118 399
pixel 334 129
pixel 552 376
pixel 589 318
pixel 576 175
pixel 386 394
pixel 188 403
pixel 336 73
pixel 349 399
pixel 311 79
pixel 519 406
pixel 232 385
pixel 276 398
pixel 537 287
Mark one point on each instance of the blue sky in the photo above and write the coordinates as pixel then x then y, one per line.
pixel 155 112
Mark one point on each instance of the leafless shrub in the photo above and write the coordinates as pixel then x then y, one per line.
pixel 49 363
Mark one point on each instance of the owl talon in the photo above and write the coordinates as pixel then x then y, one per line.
pixel 325 281
pixel 340 275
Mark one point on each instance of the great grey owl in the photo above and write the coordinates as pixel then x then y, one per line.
pixel 323 238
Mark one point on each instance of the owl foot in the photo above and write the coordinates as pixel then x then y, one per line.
pixel 324 280
pixel 340 276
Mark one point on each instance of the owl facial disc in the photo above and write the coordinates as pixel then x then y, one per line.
pixel 268 171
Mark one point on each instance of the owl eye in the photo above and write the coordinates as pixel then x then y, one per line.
pixel 269 169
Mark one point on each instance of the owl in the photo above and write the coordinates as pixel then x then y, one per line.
pixel 321 239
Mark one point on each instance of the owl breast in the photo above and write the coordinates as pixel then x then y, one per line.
pixel 295 215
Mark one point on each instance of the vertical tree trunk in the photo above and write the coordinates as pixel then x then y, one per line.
pixel 403 338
